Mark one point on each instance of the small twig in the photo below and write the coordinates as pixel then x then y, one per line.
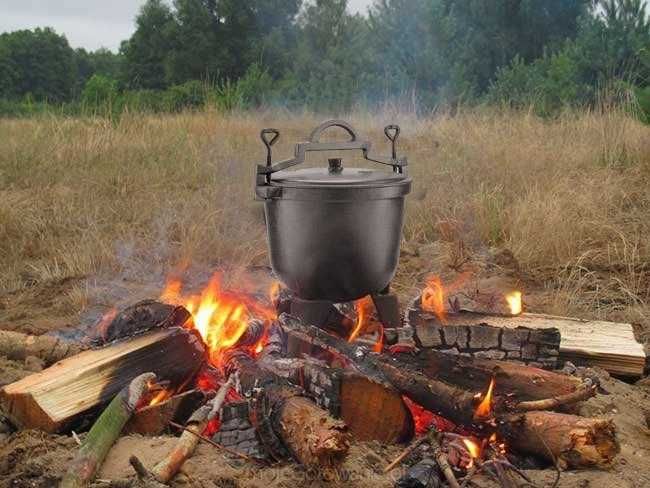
pixel 216 444
pixel 441 458
pixel 405 453
pixel 76 438
pixel 554 402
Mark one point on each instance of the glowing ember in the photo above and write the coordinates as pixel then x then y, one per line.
pixel 364 309
pixel 484 409
pixel 514 302
pixel 220 317
pixel 433 298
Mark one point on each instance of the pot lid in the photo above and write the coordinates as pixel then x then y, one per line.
pixel 337 176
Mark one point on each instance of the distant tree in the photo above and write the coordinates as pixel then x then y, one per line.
pixel 330 65
pixel 99 90
pixel 102 62
pixel 146 52
pixel 477 37
pixel 38 62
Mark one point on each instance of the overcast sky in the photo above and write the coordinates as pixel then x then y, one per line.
pixel 86 23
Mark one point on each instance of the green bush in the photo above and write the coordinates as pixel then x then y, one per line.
pixel 191 94
pixel 643 101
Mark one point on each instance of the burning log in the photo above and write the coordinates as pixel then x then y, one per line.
pixel 138 318
pixel 370 407
pixel 285 418
pixel 574 442
pixel 105 431
pixel 522 382
pixel 460 405
pixel 56 398
pixel 166 469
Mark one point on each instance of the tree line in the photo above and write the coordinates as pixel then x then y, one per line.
pixel 428 53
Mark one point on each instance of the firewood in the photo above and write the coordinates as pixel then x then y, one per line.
pixel 609 345
pixel 286 419
pixel 563 433
pixel 105 431
pixel 57 398
pixel 370 407
pixel 138 318
pixel 521 382
pixel 18 346
pixel 569 440
pixel 168 467
pixel 155 419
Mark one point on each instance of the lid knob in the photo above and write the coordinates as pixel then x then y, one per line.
pixel 335 165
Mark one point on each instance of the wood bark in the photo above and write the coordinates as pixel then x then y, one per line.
pixel 458 405
pixel 370 407
pixel 57 398
pixel 105 431
pixel 285 418
pixel 519 381
pixel 571 441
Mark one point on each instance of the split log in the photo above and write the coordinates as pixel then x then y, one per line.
pixel 18 346
pixel 458 404
pixel 571 441
pixel 154 419
pixel 285 418
pixel 105 431
pixel 609 345
pixel 57 398
pixel 167 468
pixel 370 407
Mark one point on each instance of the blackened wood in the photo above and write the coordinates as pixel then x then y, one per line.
pixel 57 397
pixel 285 418
pixel 142 317
pixel 458 404
pixel 519 381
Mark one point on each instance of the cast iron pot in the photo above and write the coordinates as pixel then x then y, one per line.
pixel 333 232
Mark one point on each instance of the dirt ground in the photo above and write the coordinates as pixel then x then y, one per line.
pixel 35 459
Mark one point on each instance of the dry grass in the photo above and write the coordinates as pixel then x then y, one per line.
pixel 570 198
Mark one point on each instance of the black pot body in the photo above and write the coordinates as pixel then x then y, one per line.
pixel 335 244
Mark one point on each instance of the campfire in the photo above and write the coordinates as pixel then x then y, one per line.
pixel 267 387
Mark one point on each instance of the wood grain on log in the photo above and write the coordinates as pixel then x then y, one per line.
pixel 55 399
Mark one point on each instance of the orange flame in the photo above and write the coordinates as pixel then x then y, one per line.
pixel 514 302
pixel 484 409
pixel 105 321
pixel 220 317
pixel 433 298
pixel 473 448
pixel 364 309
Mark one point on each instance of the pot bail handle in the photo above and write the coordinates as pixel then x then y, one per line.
pixel 314 137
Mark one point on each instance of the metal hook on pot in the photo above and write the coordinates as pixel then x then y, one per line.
pixel 392 133
pixel 268 142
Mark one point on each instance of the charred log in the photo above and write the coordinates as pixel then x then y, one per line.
pixel 286 419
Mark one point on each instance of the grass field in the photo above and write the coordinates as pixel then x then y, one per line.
pixel 82 199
